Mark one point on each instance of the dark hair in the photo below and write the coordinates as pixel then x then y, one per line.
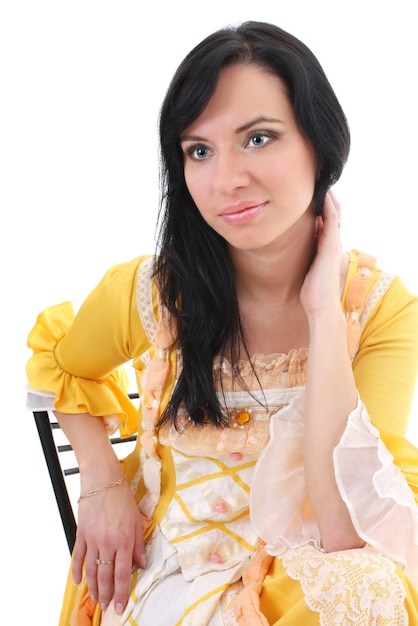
pixel 193 267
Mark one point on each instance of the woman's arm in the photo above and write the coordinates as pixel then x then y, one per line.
pixel 77 360
pixel 331 392
pixel 386 364
pixel 109 522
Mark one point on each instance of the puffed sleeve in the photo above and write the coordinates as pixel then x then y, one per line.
pixel 386 364
pixel 77 359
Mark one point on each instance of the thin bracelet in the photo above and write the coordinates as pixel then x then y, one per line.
pixel 94 492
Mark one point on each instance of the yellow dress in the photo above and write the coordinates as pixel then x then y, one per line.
pixel 207 531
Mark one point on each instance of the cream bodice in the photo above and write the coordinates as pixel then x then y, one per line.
pixel 208 518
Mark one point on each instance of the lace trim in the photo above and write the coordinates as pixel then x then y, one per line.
pixel 352 587
pixel 249 438
pixel 228 602
pixel 294 363
pixel 265 371
pixel 144 299
pixel 377 292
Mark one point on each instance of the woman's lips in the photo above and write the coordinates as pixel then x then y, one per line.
pixel 242 213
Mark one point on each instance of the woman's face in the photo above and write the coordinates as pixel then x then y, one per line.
pixel 248 167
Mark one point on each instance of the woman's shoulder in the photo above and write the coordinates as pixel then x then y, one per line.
pixel 375 282
pixel 362 274
pixel 132 281
pixel 130 269
pixel 374 295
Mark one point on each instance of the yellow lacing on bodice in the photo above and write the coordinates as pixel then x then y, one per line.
pixel 281 371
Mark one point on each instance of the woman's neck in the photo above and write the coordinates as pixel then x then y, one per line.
pixel 275 273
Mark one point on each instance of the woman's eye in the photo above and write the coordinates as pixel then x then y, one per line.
pixel 256 140
pixel 199 153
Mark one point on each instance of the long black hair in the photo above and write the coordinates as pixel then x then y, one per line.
pixel 193 267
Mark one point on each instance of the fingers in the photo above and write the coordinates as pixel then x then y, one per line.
pixel 106 574
pixel 91 573
pixel 109 541
pixel 321 287
pixel 122 580
pixel 98 571
pixel 79 554
pixel 109 578
pixel 108 571
pixel 329 230
pixel 102 574
pixel 128 554
pixel 332 207
pixel 139 548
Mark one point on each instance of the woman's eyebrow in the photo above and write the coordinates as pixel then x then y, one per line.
pixel 255 121
pixel 191 138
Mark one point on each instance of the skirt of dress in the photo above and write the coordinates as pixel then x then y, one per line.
pixel 352 587
pixel 307 586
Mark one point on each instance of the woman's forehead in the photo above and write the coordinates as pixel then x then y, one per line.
pixel 244 93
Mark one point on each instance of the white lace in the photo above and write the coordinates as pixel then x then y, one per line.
pixel 352 587
pixel 144 299
pixel 376 293
pixel 228 602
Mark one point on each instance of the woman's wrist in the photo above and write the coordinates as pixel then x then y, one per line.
pixel 98 490
pixel 330 321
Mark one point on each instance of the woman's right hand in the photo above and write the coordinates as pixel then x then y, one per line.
pixel 109 525
pixel 109 529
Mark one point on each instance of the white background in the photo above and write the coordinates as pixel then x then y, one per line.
pixel 81 84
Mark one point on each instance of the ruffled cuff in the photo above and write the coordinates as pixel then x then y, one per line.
pixel 39 400
pixel 280 510
pixel 381 503
pixel 375 490
pixel 106 397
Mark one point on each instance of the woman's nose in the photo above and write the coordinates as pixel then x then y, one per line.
pixel 230 172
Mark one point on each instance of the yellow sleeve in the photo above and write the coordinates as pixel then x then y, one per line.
pixel 78 358
pixel 386 364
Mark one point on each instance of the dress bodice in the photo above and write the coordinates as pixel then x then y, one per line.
pixel 208 518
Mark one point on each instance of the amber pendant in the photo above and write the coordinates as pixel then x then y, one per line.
pixel 240 419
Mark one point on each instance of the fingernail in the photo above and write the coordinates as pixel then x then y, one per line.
pixel 119 609
pixel 143 561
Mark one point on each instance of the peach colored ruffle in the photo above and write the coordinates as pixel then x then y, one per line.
pixel 355 297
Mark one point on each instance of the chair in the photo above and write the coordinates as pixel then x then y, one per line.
pixel 57 454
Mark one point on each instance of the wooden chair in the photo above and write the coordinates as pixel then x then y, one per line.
pixel 58 452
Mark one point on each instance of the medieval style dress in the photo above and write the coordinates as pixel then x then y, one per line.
pixel 231 538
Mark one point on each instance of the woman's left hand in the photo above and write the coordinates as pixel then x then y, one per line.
pixel 321 287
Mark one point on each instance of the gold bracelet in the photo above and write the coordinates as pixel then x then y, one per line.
pixel 94 492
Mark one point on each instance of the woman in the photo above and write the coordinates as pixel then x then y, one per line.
pixel 259 491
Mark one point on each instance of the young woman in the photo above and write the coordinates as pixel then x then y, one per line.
pixel 271 483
